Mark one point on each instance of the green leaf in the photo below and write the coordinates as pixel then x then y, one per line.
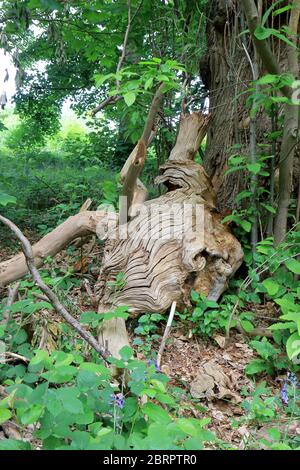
pixel 262 33
pixel 271 286
pixel 293 346
pixel 255 366
pixel 246 225
pixel 41 356
pixel 194 296
pixel 287 305
pixel 247 325
pixel 185 425
pixel 156 414
pixel 243 195
pixel 5 415
pixel 51 4
pixel 282 10
pixel 269 208
pixel 130 98
pixel 126 353
pixel 32 414
pixel 267 79
pixel 254 168
pixel 282 326
pixel 293 265
pixel 7 199
pixel 148 83
pixel 13 444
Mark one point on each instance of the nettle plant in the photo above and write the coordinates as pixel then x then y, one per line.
pixel 276 279
pixel 275 413
pixel 147 332
pixel 243 216
pixel 73 404
pixel 67 398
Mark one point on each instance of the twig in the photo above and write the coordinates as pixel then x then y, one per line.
pixel 12 294
pixel 14 356
pixel 106 102
pixel 254 332
pixel 166 333
pixel 53 299
pixel 116 98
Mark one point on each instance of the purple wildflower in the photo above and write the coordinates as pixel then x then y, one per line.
pixel 284 394
pixel 292 378
pixel 150 362
pixel 118 400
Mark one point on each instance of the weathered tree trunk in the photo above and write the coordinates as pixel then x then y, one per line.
pixel 173 244
pixel 169 246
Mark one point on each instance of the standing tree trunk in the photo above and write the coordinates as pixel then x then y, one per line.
pixel 290 135
pixel 226 74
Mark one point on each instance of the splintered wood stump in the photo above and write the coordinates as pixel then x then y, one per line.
pixel 173 244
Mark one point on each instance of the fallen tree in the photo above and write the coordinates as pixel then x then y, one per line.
pixel 164 247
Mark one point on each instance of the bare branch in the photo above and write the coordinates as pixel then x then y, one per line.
pixel 12 294
pixel 123 55
pixel 60 309
pixel 136 160
pixel 80 225
pixel 106 102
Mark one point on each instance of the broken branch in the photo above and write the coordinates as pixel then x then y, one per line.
pixel 53 299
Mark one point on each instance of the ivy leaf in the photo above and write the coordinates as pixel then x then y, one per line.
pixel 130 98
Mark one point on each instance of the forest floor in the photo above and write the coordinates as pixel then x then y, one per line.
pixel 208 375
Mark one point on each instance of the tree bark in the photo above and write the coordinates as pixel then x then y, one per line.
pixel 226 74
pixel 290 135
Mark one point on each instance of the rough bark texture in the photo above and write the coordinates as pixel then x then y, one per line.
pixel 290 135
pixel 162 257
pixel 226 73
